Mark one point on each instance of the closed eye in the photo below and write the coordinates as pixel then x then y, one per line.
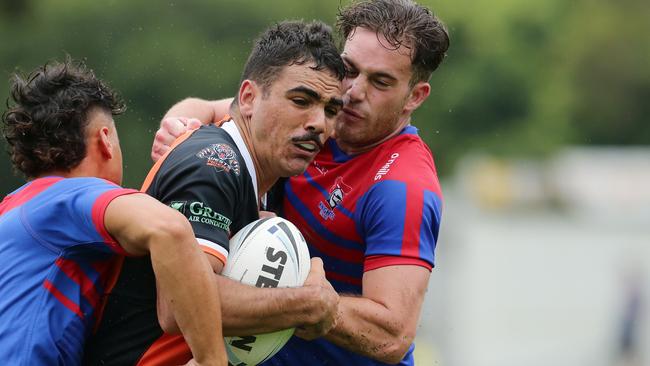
pixel 381 83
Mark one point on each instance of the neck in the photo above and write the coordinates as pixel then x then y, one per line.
pixel 84 169
pixel 352 149
pixel 55 173
pixel 265 178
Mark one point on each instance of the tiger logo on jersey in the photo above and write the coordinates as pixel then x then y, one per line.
pixel 220 156
pixel 336 194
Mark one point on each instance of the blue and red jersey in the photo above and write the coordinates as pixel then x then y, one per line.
pixel 56 262
pixel 359 213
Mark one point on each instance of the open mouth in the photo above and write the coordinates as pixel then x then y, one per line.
pixel 307 146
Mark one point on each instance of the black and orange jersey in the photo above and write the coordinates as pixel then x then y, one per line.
pixel 209 177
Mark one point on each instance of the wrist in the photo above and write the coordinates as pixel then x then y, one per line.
pixel 310 305
pixel 213 356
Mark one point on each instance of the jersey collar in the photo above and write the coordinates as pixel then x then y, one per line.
pixel 231 128
pixel 340 156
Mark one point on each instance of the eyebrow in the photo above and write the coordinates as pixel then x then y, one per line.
pixel 314 95
pixel 380 74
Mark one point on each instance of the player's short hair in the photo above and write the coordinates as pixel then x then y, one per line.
pixel 46 117
pixel 403 23
pixel 292 43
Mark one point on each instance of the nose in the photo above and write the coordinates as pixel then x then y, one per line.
pixel 320 125
pixel 317 122
pixel 355 89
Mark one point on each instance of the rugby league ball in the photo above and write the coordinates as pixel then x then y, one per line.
pixel 269 252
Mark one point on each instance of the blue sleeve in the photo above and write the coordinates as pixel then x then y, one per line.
pixel 399 224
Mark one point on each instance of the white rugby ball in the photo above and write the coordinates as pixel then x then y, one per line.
pixel 269 252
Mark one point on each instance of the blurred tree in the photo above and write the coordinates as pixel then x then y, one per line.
pixel 520 78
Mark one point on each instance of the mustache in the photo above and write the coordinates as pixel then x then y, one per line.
pixel 309 136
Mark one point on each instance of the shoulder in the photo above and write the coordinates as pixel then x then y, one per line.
pixel 74 191
pixel 208 155
pixel 405 158
pixel 204 140
pixel 211 146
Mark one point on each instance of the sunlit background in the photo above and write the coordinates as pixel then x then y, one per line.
pixel 538 121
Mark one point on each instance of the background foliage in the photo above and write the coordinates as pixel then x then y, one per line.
pixel 521 78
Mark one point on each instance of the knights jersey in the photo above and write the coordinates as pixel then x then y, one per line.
pixel 56 259
pixel 206 177
pixel 359 213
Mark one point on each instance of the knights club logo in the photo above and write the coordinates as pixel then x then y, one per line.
pixel 220 156
pixel 336 194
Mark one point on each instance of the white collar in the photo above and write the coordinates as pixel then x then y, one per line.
pixel 231 128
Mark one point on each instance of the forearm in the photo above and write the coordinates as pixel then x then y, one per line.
pixel 207 111
pixel 187 302
pixel 382 323
pixel 371 329
pixel 248 310
pixel 194 108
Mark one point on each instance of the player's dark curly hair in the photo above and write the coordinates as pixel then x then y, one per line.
pixel 292 42
pixel 402 23
pixel 46 117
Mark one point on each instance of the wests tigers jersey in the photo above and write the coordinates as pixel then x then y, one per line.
pixel 209 177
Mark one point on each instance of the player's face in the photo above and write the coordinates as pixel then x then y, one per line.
pixel 294 117
pixel 378 97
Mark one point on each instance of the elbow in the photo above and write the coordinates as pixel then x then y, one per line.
pixel 168 324
pixel 394 353
pixel 165 314
pixel 170 229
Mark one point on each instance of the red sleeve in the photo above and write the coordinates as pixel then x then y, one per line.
pixel 378 261
pixel 98 211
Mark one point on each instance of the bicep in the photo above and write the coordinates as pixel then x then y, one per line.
pixel 400 289
pixel 133 219
pixel 399 223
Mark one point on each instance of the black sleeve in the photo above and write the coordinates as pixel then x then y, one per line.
pixel 203 187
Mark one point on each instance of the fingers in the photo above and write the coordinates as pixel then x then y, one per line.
pixel 161 144
pixel 326 303
pixel 317 265
pixel 193 124
pixel 316 272
pixel 170 129
pixel 328 321
pixel 175 126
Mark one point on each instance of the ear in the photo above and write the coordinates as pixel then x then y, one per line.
pixel 419 93
pixel 248 92
pixel 105 145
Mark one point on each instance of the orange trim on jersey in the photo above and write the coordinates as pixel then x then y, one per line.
pixel 225 119
pixel 156 167
pixel 214 253
pixel 169 349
